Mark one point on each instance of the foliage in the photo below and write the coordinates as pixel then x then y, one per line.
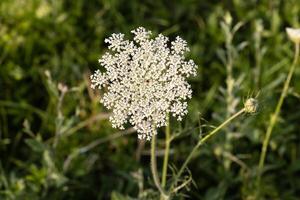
pixel 56 141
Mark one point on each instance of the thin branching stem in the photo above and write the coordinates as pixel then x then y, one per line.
pixel 201 142
pixel 274 116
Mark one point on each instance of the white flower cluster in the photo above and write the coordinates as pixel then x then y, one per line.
pixel 144 80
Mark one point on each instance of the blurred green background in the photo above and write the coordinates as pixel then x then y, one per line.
pixel 56 141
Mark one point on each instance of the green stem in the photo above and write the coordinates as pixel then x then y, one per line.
pixel 274 116
pixel 154 167
pixel 202 141
pixel 166 156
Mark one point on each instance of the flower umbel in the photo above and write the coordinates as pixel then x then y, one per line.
pixel 145 79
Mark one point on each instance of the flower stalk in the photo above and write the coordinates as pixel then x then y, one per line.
pixel 154 168
pixel 202 141
pixel 274 116
pixel 166 156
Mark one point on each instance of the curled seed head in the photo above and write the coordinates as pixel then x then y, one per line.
pixel 251 105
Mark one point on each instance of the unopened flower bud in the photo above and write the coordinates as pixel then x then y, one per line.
pixel 62 87
pixel 294 34
pixel 251 106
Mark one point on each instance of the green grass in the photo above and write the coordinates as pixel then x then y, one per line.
pixel 64 148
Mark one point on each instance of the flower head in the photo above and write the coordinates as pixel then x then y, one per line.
pixel 145 79
pixel 294 34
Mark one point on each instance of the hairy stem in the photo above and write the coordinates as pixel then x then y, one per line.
pixel 166 156
pixel 154 168
pixel 274 116
pixel 202 141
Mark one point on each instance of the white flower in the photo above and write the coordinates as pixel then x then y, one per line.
pixel 145 80
pixel 179 46
pixel 141 34
pixel 294 34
